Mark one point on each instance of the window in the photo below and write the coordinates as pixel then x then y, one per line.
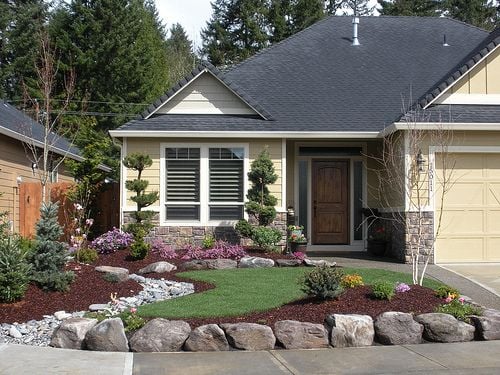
pixel 204 183
pixel 183 183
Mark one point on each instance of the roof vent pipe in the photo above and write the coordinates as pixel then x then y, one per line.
pixel 355 22
pixel 445 43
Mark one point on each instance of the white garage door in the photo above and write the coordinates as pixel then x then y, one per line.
pixel 470 228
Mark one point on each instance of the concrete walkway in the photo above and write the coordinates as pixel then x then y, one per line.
pixel 457 358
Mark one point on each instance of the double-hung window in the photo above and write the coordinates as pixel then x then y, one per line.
pixel 204 183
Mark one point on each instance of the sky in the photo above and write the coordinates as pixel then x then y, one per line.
pixel 191 14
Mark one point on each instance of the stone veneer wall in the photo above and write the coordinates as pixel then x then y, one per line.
pixel 178 235
pixel 401 240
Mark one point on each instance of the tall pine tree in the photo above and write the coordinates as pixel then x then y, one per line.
pixel 180 57
pixel 481 13
pixel 409 7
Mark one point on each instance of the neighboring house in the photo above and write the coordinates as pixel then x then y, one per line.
pixel 16 160
pixel 320 105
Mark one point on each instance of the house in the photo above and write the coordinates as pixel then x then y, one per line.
pixel 324 107
pixel 18 165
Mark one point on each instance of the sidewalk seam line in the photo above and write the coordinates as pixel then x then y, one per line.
pixel 283 362
pixel 423 356
pixel 128 367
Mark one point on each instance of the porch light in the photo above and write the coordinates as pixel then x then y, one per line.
pixel 420 161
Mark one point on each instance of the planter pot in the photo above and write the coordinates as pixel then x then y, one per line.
pixel 298 246
pixel 376 247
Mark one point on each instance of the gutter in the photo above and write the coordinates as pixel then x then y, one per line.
pixel 485 126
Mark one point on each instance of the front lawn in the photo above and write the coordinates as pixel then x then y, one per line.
pixel 243 291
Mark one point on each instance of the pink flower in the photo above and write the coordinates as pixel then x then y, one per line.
pixel 461 300
pixel 77 230
pixel 89 222
pixel 133 310
pixel 448 299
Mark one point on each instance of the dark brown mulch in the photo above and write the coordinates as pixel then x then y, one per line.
pixel 89 287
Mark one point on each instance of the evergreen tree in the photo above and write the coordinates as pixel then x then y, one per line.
pixel 236 30
pixel 180 57
pixel 409 7
pixel 480 13
pixel 20 23
pixel 305 13
pixel 118 51
pixel 50 255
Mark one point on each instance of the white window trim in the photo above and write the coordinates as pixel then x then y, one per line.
pixel 204 186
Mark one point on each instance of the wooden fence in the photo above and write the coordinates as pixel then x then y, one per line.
pixel 30 199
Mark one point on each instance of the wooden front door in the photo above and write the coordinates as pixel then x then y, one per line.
pixel 330 202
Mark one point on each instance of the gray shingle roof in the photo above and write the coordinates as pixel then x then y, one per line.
pixel 317 81
pixel 18 125
pixel 459 113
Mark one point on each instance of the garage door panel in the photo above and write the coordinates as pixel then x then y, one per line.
pixel 464 193
pixel 470 228
pixel 453 249
pixel 493 249
pixel 493 196
pixel 456 222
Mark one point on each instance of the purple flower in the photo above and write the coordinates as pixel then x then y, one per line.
pixel 112 241
pixel 402 288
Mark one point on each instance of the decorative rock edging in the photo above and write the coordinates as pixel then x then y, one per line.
pixel 161 335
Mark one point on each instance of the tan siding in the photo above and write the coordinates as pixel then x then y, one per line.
pixel 477 78
pixel 206 95
pixel 493 62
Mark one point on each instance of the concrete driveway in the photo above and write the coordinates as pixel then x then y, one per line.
pixel 486 275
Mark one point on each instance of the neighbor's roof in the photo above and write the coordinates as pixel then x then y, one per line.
pixel 15 124
pixel 316 81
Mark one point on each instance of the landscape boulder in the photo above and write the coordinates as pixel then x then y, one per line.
pixel 207 338
pixel 249 336
pixel 71 333
pixel 300 335
pixel 221 264
pixel 288 262
pixel 318 263
pixel 107 336
pixel 397 328
pixel 440 327
pixel 487 325
pixel 158 267
pixel 194 265
pixel 256 262
pixel 160 335
pixel 121 274
pixel 351 330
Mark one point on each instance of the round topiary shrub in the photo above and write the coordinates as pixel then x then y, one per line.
pixel 323 282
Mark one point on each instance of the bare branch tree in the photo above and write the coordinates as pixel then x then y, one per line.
pixel 41 151
pixel 405 186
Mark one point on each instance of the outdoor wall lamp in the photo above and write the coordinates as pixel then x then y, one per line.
pixel 420 161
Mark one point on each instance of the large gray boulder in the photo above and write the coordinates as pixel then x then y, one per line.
pixel 120 273
pixel 299 335
pixel 397 328
pixel 158 267
pixel 71 333
pixel 249 336
pixel 318 263
pixel 440 327
pixel 194 265
pixel 107 336
pixel 221 264
pixel 256 262
pixel 207 338
pixel 487 325
pixel 288 262
pixel 160 335
pixel 351 330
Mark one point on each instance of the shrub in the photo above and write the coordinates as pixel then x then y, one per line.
pixel 14 271
pixel 220 250
pixel 459 309
pixel 244 228
pixel 266 237
pixel 446 291
pixel 323 282
pixel 208 241
pixel 112 241
pixel 50 255
pixel 164 250
pixel 351 281
pixel 139 249
pixel 383 290
pixel 86 255
pixel 131 320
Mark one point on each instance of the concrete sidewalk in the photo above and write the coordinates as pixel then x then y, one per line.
pixel 457 358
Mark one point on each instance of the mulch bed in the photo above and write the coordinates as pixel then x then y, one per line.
pixel 89 287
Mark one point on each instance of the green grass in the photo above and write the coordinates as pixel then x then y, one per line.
pixel 242 291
